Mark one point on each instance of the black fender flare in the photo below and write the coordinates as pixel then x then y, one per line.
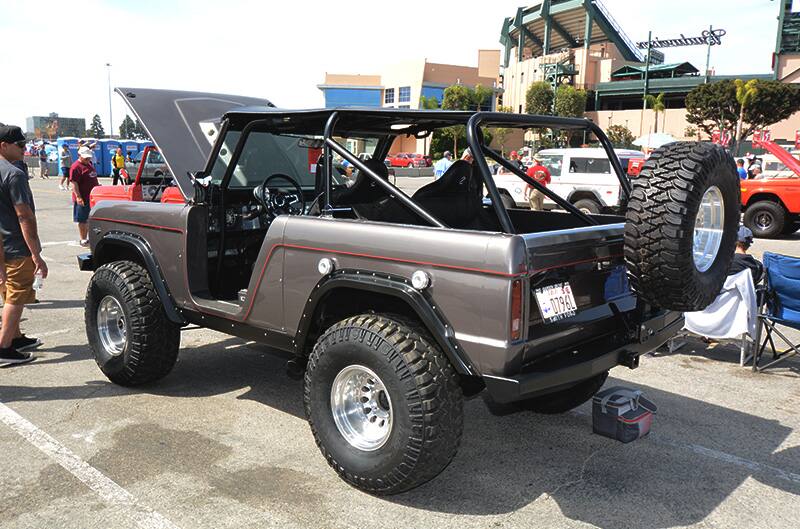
pixel 142 248
pixel 442 332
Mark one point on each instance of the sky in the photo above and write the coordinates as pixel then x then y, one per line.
pixel 282 50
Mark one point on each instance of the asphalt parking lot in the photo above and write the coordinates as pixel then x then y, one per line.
pixel 222 442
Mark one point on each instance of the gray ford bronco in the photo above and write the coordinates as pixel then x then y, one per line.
pixel 394 308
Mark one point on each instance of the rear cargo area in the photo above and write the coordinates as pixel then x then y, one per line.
pixel 578 289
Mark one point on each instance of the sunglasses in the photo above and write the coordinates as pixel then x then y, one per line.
pixel 20 144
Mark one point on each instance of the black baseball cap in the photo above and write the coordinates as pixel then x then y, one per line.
pixel 11 134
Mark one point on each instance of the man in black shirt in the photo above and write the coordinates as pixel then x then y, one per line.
pixel 743 260
pixel 21 255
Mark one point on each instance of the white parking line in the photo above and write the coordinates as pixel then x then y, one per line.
pixel 738 461
pixel 53 333
pixel 59 243
pixel 108 490
pixel 721 456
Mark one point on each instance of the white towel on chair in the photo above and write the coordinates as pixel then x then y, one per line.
pixel 732 314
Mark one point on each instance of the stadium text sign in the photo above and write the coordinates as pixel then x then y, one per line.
pixel 708 37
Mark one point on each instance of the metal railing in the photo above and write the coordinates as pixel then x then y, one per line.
pixel 614 24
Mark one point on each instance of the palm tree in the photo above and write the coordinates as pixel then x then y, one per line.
pixel 657 104
pixel 745 93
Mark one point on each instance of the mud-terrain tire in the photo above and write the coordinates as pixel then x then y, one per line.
pixel 566 399
pixel 660 225
pixel 766 219
pixel 144 346
pixel 588 205
pixel 412 379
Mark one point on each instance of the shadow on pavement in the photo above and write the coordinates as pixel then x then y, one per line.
pixel 695 350
pixel 697 455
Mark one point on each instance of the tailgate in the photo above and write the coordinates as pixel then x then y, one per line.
pixel 590 261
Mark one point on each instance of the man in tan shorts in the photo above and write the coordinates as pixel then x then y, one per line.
pixel 22 251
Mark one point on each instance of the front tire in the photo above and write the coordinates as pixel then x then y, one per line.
pixel 132 339
pixel 383 403
pixel 766 219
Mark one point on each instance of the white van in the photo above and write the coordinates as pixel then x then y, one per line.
pixel 581 176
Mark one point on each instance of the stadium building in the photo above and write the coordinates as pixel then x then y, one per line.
pixel 578 42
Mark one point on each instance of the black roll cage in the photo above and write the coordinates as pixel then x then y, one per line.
pixel 480 150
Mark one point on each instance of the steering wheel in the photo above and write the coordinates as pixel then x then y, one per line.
pixel 277 202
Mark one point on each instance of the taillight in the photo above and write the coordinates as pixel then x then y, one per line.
pixel 516 310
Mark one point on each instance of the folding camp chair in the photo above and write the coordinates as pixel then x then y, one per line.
pixel 779 306
pixel 731 317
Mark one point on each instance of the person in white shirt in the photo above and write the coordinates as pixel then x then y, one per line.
pixel 441 166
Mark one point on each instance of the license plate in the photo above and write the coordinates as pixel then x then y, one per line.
pixel 556 302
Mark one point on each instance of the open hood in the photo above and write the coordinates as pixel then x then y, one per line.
pixel 183 125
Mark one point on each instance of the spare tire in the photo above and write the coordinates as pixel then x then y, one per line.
pixel 681 224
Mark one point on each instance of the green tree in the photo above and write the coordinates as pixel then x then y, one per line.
pixel 745 94
pixel 127 128
pixel 500 134
pixel 138 131
pixel 620 136
pixel 482 98
pixel 460 97
pixel 570 102
pixel 539 98
pixel 457 97
pixel 95 129
pixel 429 103
pixel 714 106
pixel 656 103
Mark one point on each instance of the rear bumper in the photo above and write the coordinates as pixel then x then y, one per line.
pixel 85 262
pixel 652 334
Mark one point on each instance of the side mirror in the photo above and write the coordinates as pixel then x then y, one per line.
pixel 200 184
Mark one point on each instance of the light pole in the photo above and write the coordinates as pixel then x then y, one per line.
pixel 110 115
pixel 646 79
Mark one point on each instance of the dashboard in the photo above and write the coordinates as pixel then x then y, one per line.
pixel 241 217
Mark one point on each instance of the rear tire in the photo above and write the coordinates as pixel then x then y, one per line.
pixel 418 398
pixel 588 205
pixel 132 339
pixel 566 399
pixel 682 186
pixel 766 219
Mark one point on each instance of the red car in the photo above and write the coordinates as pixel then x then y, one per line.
pixel 402 159
pixel 420 160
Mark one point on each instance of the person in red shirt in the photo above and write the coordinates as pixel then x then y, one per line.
pixel 82 179
pixel 539 173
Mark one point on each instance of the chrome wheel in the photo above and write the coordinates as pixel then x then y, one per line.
pixel 111 326
pixel 708 228
pixel 763 220
pixel 361 408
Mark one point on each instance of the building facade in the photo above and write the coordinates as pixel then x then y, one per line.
pixel 403 85
pixel 52 126
pixel 578 42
